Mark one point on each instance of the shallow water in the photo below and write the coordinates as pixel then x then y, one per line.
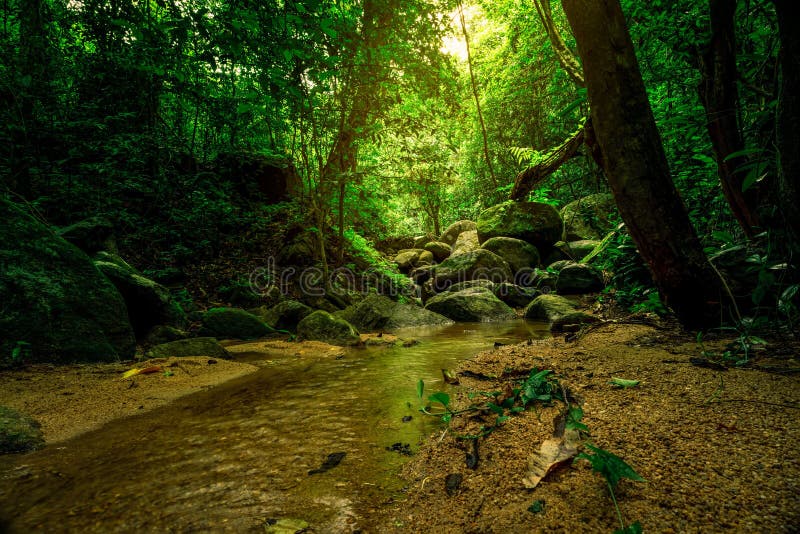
pixel 236 456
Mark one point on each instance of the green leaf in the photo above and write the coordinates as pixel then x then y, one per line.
pixel 536 506
pixel 441 397
pixel 623 382
pixel 609 465
pixel 420 388
pixel 635 528
pixel 495 408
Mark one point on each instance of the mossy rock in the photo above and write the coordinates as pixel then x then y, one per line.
pixel 537 223
pixel 234 323
pixel 55 299
pixel 148 302
pixel 517 253
pixel 549 308
pixel 470 305
pixel 578 278
pixel 466 242
pixel 378 313
pixel 164 333
pixel 472 284
pixel 514 295
pixel 286 315
pixel 589 217
pixel 478 264
pixel 198 346
pixel 439 249
pixel 322 326
pixel 18 432
pixel 91 235
pixel 452 232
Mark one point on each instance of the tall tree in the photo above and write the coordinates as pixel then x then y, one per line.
pixel 788 132
pixel 719 94
pixel 635 163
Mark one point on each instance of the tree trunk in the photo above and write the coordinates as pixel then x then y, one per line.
pixel 636 165
pixel 477 98
pixel 788 132
pixel 720 99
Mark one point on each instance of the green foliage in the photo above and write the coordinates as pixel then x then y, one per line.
pixel 613 469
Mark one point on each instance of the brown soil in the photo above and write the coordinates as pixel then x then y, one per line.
pixel 72 399
pixel 718 449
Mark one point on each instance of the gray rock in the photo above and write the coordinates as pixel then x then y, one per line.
pixel 439 249
pixel 574 250
pixel 18 432
pixel 322 326
pixel 225 323
pixel 452 232
pixel 148 302
pixel 474 305
pixel 54 298
pixel 517 253
pixel 538 224
pixel 378 313
pixel 577 278
pixel 466 242
pixel 471 266
pixel 197 346
pixel 589 217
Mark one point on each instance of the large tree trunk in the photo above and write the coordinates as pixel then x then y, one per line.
pixel 636 165
pixel 788 130
pixel 720 99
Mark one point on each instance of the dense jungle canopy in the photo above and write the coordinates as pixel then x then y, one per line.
pixel 210 130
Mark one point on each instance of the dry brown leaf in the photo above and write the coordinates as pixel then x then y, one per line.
pixel 552 453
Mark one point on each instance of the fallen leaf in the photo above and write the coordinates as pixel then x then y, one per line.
pixel 623 382
pixel 145 371
pixel 552 453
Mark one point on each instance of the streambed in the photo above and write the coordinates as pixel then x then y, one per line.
pixel 238 455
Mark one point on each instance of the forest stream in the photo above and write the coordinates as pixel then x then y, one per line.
pixel 242 455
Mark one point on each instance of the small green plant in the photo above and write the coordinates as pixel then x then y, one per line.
pixel 18 355
pixel 539 388
pixel 739 351
pixel 613 469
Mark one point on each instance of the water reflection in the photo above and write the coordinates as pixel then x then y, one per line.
pixel 230 458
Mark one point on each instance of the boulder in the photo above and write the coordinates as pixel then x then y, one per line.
pixel 408 259
pixel 148 302
pixel 236 323
pixel 538 224
pixel 322 326
pixel 420 275
pixel 91 235
pixel 549 308
pixel 197 346
pixel 514 295
pixel 452 232
pixel 421 241
pixel 285 315
pixel 18 432
pixel 577 278
pixel 471 284
pixel 478 264
pixel 466 242
pixel 163 333
pixel 517 253
pixel 573 251
pixel 55 299
pixel 378 313
pixel 589 217
pixel 572 322
pixel 391 245
pixel 439 249
pixel 473 305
